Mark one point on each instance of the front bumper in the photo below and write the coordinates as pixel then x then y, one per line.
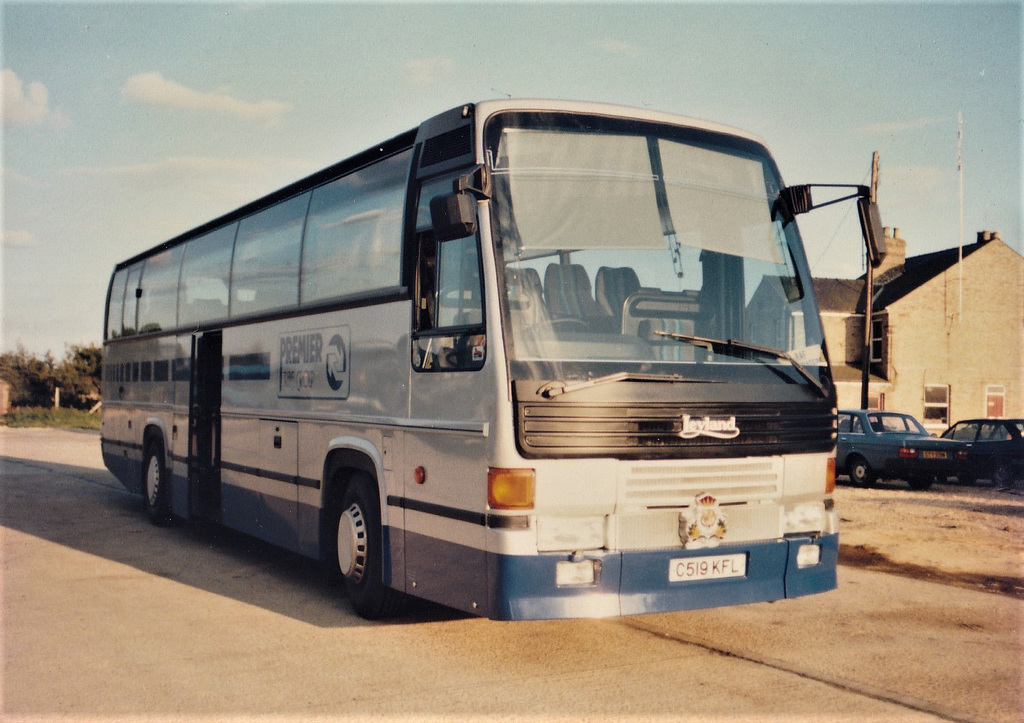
pixel 636 582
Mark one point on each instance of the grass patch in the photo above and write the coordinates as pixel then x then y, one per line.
pixel 49 417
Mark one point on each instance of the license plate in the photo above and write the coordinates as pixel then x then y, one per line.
pixel 928 454
pixel 686 569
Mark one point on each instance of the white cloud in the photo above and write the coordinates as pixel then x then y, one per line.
pixel 204 183
pixel 177 166
pixel 619 47
pixel 17 239
pixel 421 71
pixel 154 89
pixel 28 105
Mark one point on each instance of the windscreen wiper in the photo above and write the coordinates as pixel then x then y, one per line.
pixel 736 348
pixel 555 389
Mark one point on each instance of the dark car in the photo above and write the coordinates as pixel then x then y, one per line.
pixel 894 446
pixel 995 449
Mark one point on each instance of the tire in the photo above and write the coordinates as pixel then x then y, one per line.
pixel 922 483
pixel 155 490
pixel 860 471
pixel 358 551
pixel 1002 473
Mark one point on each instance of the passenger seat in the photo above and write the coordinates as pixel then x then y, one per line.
pixel 568 294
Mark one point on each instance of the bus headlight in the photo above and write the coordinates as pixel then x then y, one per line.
pixel 570 533
pixel 804 518
pixel 573 573
pixel 808 556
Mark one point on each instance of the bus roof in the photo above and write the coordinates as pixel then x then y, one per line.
pixel 487 108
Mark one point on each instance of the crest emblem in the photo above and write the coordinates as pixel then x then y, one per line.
pixel 703 525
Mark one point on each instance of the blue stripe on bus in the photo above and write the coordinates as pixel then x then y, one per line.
pixel 271 475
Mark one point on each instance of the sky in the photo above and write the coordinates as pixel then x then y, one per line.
pixel 126 124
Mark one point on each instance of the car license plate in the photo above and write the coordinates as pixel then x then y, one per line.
pixel 685 569
pixel 929 454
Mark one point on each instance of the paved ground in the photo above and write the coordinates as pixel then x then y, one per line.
pixel 972 536
pixel 107 617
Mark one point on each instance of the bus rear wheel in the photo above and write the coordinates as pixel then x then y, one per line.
pixel 359 551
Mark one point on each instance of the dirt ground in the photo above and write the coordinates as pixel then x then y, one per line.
pixel 971 536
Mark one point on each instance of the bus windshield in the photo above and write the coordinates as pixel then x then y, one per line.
pixel 647 248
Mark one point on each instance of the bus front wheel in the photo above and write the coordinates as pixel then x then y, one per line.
pixel 155 492
pixel 359 552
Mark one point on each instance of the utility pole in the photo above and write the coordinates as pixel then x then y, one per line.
pixel 960 175
pixel 869 292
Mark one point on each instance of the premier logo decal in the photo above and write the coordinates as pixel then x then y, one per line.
pixel 314 364
pixel 719 428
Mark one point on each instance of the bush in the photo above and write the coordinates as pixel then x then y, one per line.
pixel 50 417
pixel 33 380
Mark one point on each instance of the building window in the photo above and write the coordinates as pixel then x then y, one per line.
pixel 936 404
pixel 995 400
pixel 877 337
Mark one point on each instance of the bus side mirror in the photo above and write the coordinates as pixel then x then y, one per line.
pixel 453 216
pixel 871 227
pixel 795 200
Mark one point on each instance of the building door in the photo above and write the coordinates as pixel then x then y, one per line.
pixel 995 400
pixel 204 425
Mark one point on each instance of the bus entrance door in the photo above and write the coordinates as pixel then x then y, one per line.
pixel 204 426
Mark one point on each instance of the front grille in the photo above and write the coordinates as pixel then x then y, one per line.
pixel 652 430
pixel 732 481
pixel 651 496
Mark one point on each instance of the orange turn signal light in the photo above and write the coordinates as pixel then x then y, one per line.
pixel 830 476
pixel 510 489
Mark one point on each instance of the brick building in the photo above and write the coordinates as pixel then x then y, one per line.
pixel 947 335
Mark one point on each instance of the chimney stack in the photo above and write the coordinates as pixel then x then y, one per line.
pixel 896 252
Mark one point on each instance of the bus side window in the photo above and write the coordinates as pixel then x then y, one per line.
pixel 116 305
pixel 458 284
pixel 129 326
pixel 449 333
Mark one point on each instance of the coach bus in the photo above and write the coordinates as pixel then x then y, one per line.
pixel 530 359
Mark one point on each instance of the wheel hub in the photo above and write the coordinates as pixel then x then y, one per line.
pixel 153 479
pixel 352 543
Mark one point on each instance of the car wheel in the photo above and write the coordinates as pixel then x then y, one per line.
pixel 860 471
pixel 359 553
pixel 155 490
pixel 921 483
pixel 1002 473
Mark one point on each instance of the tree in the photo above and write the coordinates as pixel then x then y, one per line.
pixel 33 380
